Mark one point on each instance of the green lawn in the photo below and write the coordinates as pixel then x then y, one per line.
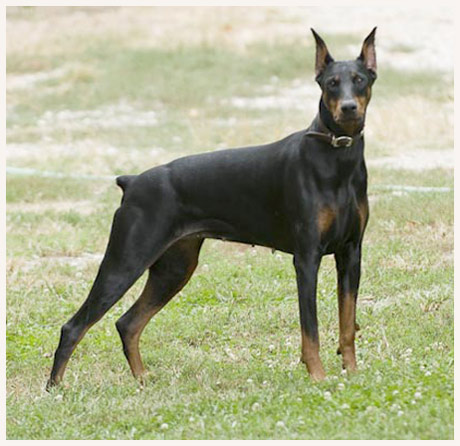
pixel 223 356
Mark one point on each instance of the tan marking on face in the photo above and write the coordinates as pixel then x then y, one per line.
pixel 333 105
pixel 326 217
pixel 347 328
pixel 310 356
pixel 362 102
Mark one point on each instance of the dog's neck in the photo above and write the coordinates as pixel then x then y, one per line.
pixel 324 123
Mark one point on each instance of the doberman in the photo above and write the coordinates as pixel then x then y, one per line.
pixel 305 195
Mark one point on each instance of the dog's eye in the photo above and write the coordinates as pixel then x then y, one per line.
pixel 358 80
pixel 333 83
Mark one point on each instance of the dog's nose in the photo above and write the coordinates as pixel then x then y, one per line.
pixel 348 106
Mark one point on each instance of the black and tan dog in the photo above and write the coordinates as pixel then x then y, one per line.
pixel 305 195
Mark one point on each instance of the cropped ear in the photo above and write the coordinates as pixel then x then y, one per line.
pixel 367 55
pixel 323 58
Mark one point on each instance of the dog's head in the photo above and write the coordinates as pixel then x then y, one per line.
pixel 346 85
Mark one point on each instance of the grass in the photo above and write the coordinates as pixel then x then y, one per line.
pixel 223 356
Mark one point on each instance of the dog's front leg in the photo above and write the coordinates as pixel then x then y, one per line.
pixel 306 266
pixel 348 263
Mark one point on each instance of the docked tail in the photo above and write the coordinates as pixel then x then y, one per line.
pixel 124 181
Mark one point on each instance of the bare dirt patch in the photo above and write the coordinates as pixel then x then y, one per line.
pixel 89 157
pixel 416 160
pixel 78 262
pixel 118 115
pixel 84 207
pixel 29 80
pixel 301 95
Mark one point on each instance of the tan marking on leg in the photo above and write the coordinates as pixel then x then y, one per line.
pixel 140 314
pixel 363 211
pixel 310 356
pixel 150 302
pixel 325 218
pixel 347 328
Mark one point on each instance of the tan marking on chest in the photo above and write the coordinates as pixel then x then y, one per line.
pixel 326 217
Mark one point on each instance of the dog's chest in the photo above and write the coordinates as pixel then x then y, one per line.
pixel 341 221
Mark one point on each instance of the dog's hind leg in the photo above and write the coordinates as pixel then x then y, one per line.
pixel 167 276
pixel 129 253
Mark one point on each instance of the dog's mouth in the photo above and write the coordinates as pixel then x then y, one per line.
pixel 351 124
pixel 348 119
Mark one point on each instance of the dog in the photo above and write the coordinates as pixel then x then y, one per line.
pixel 305 195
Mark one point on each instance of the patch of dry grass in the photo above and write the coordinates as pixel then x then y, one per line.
pixel 50 29
pixel 407 123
